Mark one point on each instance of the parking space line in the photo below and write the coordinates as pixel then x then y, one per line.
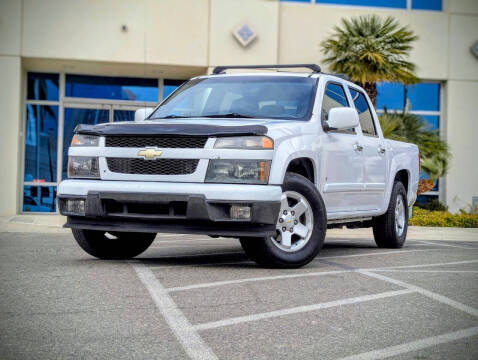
pixel 428 265
pixel 264 278
pixel 176 246
pixel 172 266
pixel 299 309
pixel 277 277
pixel 414 345
pixel 196 255
pixel 395 252
pixel 443 299
pixel 427 271
pixel 192 343
pixel 446 245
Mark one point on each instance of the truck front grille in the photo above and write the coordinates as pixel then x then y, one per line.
pixel 161 142
pixel 152 167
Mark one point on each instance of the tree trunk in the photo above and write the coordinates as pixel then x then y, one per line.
pixel 371 89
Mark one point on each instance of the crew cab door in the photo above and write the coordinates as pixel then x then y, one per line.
pixel 341 160
pixel 374 152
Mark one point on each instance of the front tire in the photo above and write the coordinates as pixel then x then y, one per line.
pixel 390 229
pixel 113 246
pixel 304 218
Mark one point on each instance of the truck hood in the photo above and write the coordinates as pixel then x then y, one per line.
pixel 192 127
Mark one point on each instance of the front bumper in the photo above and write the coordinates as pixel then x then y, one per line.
pixel 171 207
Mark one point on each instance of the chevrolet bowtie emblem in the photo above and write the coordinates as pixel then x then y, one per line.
pixel 150 154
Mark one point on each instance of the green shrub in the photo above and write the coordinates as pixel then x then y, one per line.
pixel 422 217
pixel 433 205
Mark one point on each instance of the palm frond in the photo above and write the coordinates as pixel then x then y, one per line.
pixel 371 49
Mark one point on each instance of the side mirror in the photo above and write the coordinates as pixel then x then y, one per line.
pixel 341 118
pixel 141 114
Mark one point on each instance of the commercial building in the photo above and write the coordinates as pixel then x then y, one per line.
pixel 65 62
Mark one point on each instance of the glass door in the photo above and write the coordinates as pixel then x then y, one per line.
pixel 124 112
pixel 76 114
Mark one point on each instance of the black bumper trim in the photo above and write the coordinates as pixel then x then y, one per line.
pixel 232 229
pixel 196 215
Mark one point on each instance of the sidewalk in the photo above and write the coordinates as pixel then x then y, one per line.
pixel 53 224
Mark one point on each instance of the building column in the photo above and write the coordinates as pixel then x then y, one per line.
pixel 462 137
pixel 10 133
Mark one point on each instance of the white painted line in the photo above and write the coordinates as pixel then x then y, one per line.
pixel 192 343
pixel 414 345
pixel 218 240
pixel 299 309
pixel 277 277
pixel 264 278
pixel 427 271
pixel 376 253
pixel 180 246
pixel 428 265
pixel 172 266
pixel 443 299
pixel 196 255
pixel 446 245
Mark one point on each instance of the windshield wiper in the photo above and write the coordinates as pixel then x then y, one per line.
pixel 229 115
pixel 174 117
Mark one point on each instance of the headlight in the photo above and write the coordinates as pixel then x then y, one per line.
pixel 83 167
pixel 238 171
pixel 85 140
pixel 245 142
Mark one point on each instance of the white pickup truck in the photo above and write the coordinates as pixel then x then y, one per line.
pixel 271 158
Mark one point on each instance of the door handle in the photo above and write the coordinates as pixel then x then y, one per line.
pixel 358 147
pixel 381 150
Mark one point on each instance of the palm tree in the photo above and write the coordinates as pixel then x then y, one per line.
pixel 369 49
pixel 434 151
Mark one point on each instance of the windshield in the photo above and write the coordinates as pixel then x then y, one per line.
pixel 278 97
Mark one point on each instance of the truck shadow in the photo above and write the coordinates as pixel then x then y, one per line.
pixel 235 257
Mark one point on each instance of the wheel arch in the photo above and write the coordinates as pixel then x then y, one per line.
pixel 304 166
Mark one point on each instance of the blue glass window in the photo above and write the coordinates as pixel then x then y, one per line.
pixel 74 117
pixel 433 121
pixel 424 96
pixel 123 115
pixel 427 4
pixel 390 95
pixel 42 86
pixel 113 88
pixel 39 198
pixel 41 134
pixel 170 86
pixel 401 4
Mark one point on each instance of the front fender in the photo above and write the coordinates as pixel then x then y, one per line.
pixel 304 146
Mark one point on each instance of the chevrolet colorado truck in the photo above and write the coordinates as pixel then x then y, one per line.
pixel 272 158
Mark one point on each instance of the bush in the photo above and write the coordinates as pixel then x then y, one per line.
pixel 422 217
pixel 433 205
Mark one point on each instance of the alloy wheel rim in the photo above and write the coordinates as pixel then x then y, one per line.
pixel 399 216
pixel 295 223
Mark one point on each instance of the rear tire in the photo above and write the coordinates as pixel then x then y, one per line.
pixel 390 229
pixel 114 246
pixel 305 230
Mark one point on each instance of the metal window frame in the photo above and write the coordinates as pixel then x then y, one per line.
pixel 64 102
